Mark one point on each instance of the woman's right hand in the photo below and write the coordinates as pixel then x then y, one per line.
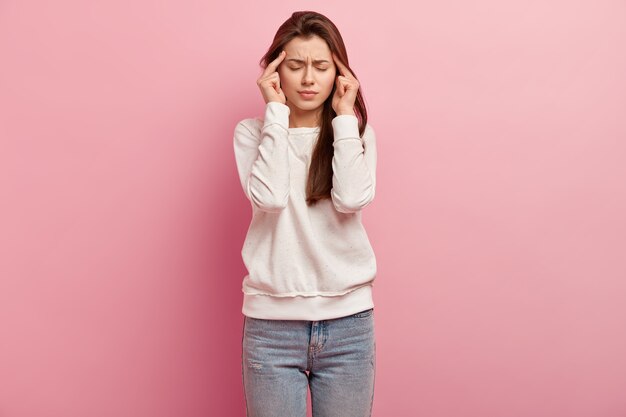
pixel 269 81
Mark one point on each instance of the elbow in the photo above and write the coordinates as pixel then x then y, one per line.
pixel 352 204
pixel 273 203
pixel 271 206
pixel 266 198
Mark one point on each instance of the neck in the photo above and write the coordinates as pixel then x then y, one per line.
pixel 304 118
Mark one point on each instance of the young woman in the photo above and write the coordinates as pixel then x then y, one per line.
pixel 308 168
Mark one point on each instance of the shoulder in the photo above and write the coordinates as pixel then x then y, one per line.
pixel 252 125
pixel 248 130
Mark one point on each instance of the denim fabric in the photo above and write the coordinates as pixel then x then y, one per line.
pixel 335 358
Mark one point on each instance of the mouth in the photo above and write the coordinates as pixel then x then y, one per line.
pixel 307 94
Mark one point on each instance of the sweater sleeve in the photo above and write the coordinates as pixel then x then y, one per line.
pixel 354 165
pixel 263 162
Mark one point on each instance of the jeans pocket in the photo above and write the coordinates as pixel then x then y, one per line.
pixel 364 313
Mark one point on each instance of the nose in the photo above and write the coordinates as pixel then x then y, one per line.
pixel 307 78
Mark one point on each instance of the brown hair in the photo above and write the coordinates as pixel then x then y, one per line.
pixel 306 24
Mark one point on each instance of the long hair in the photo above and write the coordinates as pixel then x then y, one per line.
pixel 306 24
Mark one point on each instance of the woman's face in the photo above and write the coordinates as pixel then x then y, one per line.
pixel 308 66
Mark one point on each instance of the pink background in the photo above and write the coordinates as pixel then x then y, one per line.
pixel 499 221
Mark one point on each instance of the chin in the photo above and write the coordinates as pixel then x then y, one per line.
pixel 307 105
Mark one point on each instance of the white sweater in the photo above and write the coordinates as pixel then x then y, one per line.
pixel 305 263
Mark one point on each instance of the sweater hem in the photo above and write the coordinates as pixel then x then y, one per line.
pixel 313 308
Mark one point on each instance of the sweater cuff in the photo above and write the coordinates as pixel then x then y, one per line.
pixel 346 126
pixel 276 113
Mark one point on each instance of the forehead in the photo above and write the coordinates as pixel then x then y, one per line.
pixel 313 48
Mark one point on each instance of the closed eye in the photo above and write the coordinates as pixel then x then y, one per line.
pixel 297 68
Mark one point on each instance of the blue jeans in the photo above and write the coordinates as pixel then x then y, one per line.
pixel 336 358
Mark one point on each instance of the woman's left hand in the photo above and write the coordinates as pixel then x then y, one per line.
pixel 346 88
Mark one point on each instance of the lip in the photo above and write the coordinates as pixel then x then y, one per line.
pixel 307 94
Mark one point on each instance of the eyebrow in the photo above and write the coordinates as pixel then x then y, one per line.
pixel 316 61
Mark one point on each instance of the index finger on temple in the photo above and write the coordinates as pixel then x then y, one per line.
pixel 274 64
pixel 342 68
